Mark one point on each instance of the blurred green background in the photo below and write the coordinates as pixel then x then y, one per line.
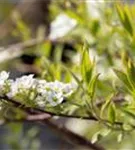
pixel 67 24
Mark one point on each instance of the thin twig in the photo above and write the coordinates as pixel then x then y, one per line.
pixel 117 100
pixel 33 115
pixel 16 50
pixel 92 118
pixel 70 136
pixel 38 110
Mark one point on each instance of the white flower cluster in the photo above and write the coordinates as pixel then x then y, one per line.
pixel 46 92
pixel 3 77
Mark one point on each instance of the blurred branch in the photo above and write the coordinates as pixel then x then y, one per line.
pixel 117 100
pixel 16 50
pixel 39 111
pixel 34 111
pixel 43 118
pixel 52 114
pixel 70 136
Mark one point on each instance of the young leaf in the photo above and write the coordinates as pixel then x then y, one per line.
pixel 106 105
pixel 75 77
pixel 125 18
pixel 92 85
pixel 112 113
pixel 131 73
pixel 128 112
pixel 123 77
pixel 86 65
pixel 127 21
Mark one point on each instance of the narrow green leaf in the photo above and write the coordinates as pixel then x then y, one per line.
pixel 125 18
pixel 120 12
pixel 58 53
pixel 123 77
pixel 131 73
pixel 112 113
pixel 86 65
pixel 105 105
pixel 75 77
pixel 92 85
pixel 127 21
pixel 75 16
pixel 128 113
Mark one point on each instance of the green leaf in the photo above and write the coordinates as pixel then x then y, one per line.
pixel 92 85
pixel 106 105
pixel 125 18
pixel 58 53
pixel 75 16
pixel 131 73
pixel 95 27
pixel 112 113
pixel 128 112
pixel 87 65
pixel 98 135
pixel 123 77
pixel 75 77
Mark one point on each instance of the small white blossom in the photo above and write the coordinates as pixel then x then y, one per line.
pixel 3 77
pixel 21 84
pixel 41 85
pixel 45 92
pixel 54 98
pixel 54 92
pixel 40 101
pixel 26 82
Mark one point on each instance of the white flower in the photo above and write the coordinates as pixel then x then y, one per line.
pixel 59 86
pixel 41 85
pixel 3 77
pixel 45 92
pixel 69 89
pixel 53 92
pixel 21 84
pixel 54 98
pixel 40 101
pixel 26 82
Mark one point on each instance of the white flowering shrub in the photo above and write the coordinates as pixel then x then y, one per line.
pixel 103 95
pixel 39 91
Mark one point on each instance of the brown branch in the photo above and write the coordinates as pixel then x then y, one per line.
pixel 16 50
pixel 70 136
pixel 117 100
pixel 37 110
pixel 33 115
